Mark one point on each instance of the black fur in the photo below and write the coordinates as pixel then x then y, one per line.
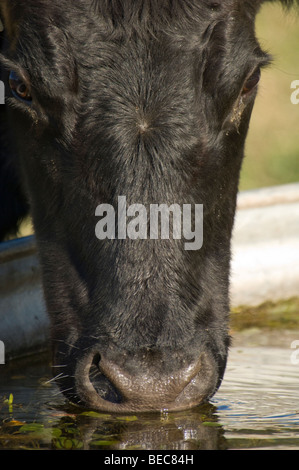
pixel 144 99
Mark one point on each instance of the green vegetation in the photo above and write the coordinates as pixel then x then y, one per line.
pixel 272 149
pixel 91 430
pixel 280 315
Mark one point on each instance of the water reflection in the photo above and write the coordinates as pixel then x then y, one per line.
pixel 38 418
pixel 146 432
pixel 256 407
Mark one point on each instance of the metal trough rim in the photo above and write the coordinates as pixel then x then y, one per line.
pixel 17 248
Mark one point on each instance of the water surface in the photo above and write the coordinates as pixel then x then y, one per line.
pixel 257 407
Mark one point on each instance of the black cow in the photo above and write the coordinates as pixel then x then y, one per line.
pixel 149 100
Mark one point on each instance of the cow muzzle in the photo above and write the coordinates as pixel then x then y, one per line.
pixel 135 383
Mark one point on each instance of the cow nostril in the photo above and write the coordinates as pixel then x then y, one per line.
pixel 96 360
pixel 102 385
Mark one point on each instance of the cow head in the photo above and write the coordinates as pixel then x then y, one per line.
pixel 115 107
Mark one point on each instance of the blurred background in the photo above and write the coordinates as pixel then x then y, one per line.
pixel 272 149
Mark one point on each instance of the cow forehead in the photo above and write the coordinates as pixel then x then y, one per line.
pixel 96 35
pixel 121 14
pixel 80 28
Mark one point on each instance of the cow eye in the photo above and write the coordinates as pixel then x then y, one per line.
pixel 20 89
pixel 252 81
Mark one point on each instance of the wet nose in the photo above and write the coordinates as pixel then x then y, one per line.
pixel 132 386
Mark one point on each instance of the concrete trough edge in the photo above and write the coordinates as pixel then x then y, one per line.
pixel 265 267
pixel 265 246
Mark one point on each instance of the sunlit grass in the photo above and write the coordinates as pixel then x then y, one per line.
pixel 272 149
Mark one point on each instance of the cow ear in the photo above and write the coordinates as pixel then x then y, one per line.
pixel 10 11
